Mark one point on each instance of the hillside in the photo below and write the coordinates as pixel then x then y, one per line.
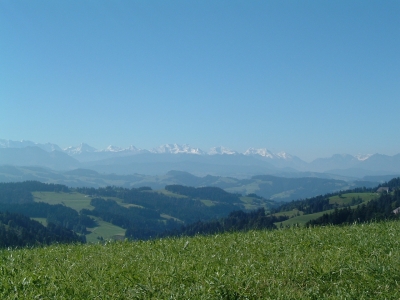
pixel 17 230
pixel 346 207
pixel 116 213
pixel 350 262
pixel 218 161
pixel 289 186
pixel 143 213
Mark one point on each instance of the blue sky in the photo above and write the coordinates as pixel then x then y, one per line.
pixel 311 78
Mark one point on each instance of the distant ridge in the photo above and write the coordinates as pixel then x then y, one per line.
pixel 217 161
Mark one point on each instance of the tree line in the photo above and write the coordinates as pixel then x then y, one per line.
pixel 20 230
pixel 236 221
pixel 376 210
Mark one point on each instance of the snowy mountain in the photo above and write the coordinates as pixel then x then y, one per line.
pixel 131 150
pixel 268 154
pixel 85 149
pixel 221 150
pixel 362 157
pixel 81 148
pixel 218 160
pixel 177 149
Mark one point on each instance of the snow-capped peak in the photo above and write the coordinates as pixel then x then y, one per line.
pixel 83 147
pixel 362 157
pixel 284 155
pixel 262 152
pixel 112 148
pixel 221 150
pixel 266 153
pixel 176 149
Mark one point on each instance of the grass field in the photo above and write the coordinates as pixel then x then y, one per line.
pixel 104 230
pixel 42 221
pixel 346 198
pixel 348 262
pixel 76 201
pixel 302 219
pixel 168 193
pixel 79 201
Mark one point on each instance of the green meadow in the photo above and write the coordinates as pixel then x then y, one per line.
pixel 297 217
pixel 74 200
pixel 347 198
pixel 347 262
pixel 103 230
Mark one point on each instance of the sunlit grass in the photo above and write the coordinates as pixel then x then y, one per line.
pixel 354 262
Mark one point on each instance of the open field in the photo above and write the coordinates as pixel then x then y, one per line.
pixel 297 217
pixel 79 201
pixel 347 198
pixel 76 201
pixel 347 262
pixel 302 219
pixel 104 230
pixel 42 221
pixel 168 193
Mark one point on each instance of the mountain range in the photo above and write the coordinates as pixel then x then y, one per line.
pixel 218 161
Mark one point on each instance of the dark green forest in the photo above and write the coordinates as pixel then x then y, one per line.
pixel 381 209
pixel 235 221
pixel 19 230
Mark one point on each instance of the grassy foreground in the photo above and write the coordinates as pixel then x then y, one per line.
pixel 354 262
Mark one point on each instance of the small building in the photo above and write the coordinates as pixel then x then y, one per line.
pixel 383 189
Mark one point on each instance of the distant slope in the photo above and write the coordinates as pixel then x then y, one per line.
pixel 219 161
pixel 19 230
pixel 235 221
pixel 268 186
pixel 35 156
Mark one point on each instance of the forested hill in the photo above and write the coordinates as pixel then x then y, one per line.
pixel 19 230
pixel 21 192
pixel 211 193
pixel 382 208
pixel 235 221
pixel 320 203
pixel 17 206
pixel 143 213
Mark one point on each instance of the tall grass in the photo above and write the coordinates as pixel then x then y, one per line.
pixel 354 262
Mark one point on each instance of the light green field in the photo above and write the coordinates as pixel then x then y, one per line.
pixel 169 194
pixel 105 230
pixel 208 202
pixel 167 217
pixel 346 198
pixel 343 200
pixel 79 201
pixel 42 221
pixel 251 203
pixel 245 189
pixel 302 219
pixel 344 262
pixel 74 200
pixel 284 194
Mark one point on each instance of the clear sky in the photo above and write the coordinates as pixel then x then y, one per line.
pixel 312 78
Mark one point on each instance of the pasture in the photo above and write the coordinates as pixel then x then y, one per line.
pixel 346 262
